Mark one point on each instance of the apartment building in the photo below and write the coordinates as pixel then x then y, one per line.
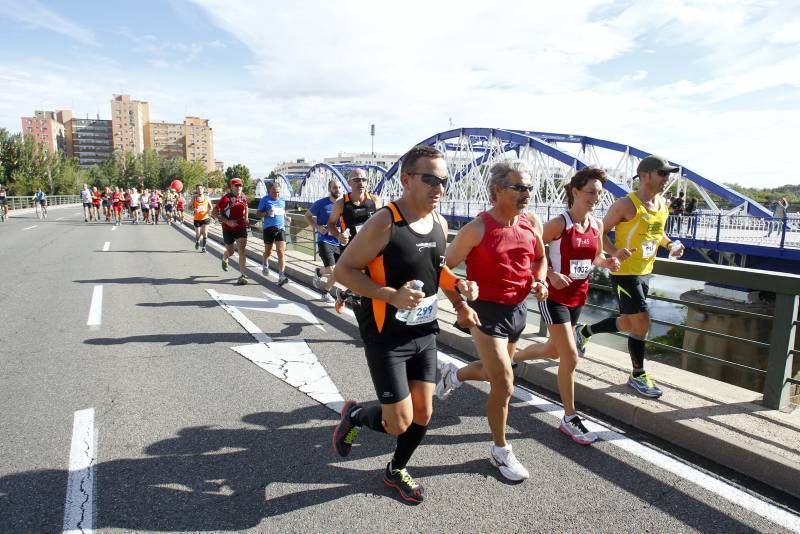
pixel 199 144
pixel 128 120
pixel 46 129
pixel 87 140
pixel 168 139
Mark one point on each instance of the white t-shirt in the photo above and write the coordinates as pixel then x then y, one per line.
pixel 135 200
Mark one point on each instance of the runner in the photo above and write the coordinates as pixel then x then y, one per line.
pixel 201 207
pixel 638 220
pixel 179 205
pixel 231 210
pixel 505 255
pixel 96 199
pixel 4 202
pixel 576 245
pixel 350 213
pixel 105 203
pixel 318 216
pixel 86 199
pixel 135 200
pixel 116 204
pixel 155 205
pixel 145 203
pixel 273 209
pixel 169 204
pixel 400 245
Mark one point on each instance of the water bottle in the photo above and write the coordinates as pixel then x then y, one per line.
pixel 673 247
pixel 402 315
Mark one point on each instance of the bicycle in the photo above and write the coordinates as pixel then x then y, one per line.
pixel 41 210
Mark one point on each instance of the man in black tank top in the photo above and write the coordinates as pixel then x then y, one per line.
pixel 354 208
pixel 401 244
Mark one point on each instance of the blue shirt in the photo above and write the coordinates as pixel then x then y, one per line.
pixel 278 207
pixel 321 209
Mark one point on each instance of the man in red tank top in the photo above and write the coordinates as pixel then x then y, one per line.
pixel 505 255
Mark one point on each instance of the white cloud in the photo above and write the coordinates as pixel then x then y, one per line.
pixel 34 14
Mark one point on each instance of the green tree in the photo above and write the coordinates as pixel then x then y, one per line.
pixel 241 171
pixel 151 169
pixel 216 180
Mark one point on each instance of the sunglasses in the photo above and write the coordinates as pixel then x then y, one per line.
pixel 519 188
pixel 358 179
pixel 664 174
pixel 431 179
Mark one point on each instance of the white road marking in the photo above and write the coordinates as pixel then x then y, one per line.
pixel 734 495
pixel 291 361
pixel 60 218
pixel 96 308
pixel 29 227
pixel 106 246
pixel 114 227
pixel 79 503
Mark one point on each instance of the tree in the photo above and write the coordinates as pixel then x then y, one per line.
pixel 216 180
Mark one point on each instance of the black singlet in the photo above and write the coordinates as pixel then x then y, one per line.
pixel 354 215
pixel 407 256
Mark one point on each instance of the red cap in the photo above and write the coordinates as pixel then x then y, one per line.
pixel 236 181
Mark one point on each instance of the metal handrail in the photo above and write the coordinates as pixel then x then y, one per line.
pixel 23 202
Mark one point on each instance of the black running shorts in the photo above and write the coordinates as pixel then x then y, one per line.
pixel 229 237
pixel 392 368
pixel 198 224
pixel 501 320
pixel 556 313
pixel 631 292
pixel 328 252
pixel 272 234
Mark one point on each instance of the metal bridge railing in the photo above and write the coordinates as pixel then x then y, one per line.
pixel 18 203
pixel 779 347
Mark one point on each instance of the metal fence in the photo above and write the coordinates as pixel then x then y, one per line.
pixel 18 203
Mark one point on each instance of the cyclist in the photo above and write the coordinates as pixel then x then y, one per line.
pixel 40 198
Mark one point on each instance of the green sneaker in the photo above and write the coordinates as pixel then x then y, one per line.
pixel 581 340
pixel 242 281
pixel 224 263
pixel 409 489
pixel 644 384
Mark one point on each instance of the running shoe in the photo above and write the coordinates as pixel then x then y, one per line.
pixel 447 384
pixel 346 431
pixel 224 263
pixel 318 283
pixel 507 463
pixel 265 270
pixel 282 279
pixel 341 300
pixel 580 339
pixel 203 249
pixel 409 489
pixel 327 298
pixel 196 244
pixel 644 384
pixel 575 429
pixel 241 281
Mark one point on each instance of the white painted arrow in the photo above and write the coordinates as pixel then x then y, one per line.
pixel 292 361
pixel 272 304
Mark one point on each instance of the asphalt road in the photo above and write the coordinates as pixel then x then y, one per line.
pixel 192 436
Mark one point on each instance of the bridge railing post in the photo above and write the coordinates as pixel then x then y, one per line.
pixel 780 359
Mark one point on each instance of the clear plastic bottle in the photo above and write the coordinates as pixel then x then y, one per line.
pixel 673 248
pixel 402 315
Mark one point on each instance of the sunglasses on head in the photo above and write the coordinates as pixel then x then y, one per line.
pixel 431 179
pixel 519 188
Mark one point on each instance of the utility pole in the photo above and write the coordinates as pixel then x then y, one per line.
pixel 372 134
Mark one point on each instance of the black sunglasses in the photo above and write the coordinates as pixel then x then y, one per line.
pixel 664 174
pixel 431 179
pixel 519 188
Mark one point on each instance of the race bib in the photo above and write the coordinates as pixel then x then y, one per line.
pixel 425 312
pixel 277 211
pixel 649 248
pixel 579 269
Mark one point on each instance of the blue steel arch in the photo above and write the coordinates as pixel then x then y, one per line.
pixel 514 140
pixel 753 208
pixel 325 166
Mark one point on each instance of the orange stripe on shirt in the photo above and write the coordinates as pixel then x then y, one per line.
pixel 377 273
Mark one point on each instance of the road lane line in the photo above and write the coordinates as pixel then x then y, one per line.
pixel 79 503
pixel 96 308
pixel 29 227
pixel 731 493
pixel 106 246
pixel 113 227
pixel 60 218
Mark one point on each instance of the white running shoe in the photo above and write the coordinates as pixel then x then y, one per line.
pixel 575 429
pixel 318 283
pixel 327 298
pixel 265 270
pixel 448 383
pixel 507 463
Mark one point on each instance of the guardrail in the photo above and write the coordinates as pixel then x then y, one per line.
pixel 18 203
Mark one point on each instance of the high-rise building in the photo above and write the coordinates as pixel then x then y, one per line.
pixel 128 120
pixel 45 127
pixel 88 140
pixel 199 142
pixel 168 139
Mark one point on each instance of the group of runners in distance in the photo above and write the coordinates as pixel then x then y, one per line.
pixel 395 258
pixel 148 206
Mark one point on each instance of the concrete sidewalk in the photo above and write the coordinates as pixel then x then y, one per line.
pixel 718 421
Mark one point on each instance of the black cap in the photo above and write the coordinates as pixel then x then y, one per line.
pixel 654 163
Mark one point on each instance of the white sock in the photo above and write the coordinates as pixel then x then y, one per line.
pixel 506 448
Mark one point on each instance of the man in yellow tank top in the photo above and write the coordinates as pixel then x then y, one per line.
pixel 638 221
pixel 201 207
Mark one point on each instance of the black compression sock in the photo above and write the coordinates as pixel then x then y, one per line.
pixel 371 418
pixel 636 350
pixel 606 326
pixel 407 443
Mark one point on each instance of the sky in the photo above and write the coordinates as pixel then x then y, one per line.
pixel 712 85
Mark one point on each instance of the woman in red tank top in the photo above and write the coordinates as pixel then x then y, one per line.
pixel 575 246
